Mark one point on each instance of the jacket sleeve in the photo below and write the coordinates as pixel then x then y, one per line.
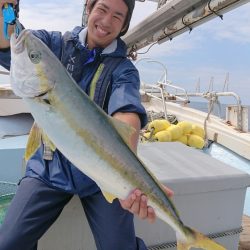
pixel 125 94
pixel 5 58
pixel 52 39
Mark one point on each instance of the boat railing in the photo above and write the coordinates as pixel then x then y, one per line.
pixel 159 91
pixel 213 98
pixel 166 91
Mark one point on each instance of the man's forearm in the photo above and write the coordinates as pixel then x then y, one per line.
pixel 4 43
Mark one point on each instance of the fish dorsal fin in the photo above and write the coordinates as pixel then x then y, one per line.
pixel 108 196
pixel 125 130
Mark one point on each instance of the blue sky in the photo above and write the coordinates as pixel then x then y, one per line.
pixel 211 50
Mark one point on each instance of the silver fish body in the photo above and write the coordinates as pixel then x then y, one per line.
pixel 90 139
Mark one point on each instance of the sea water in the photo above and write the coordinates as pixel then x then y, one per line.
pixel 4 204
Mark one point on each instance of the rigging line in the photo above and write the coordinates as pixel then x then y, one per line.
pixel 166 35
pixel 186 25
pixel 145 52
pixel 213 11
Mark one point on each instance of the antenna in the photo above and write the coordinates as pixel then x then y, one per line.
pixel 226 83
pixel 198 86
pixel 211 84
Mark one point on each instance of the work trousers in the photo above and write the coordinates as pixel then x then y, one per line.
pixel 36 206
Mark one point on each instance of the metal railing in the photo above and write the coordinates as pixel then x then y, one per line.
pixel 166 91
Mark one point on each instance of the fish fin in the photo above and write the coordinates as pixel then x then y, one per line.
pixel 108 196
pixel 125 130
pixel 197 240
pixel 34 141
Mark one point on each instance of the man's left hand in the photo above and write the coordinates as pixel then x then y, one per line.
pixel 136 203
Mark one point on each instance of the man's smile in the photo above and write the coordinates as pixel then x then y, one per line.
pixel 101 31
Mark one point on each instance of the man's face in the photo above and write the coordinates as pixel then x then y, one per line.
pixel 105 22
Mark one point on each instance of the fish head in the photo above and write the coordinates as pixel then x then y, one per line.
pixel 33 66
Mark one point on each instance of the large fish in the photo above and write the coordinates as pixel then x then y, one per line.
pixel 90 139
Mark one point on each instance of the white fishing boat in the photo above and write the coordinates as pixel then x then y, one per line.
pixel 210 195
pixel 202 185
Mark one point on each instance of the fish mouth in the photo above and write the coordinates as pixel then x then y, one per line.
pixel 18 43
pixel 28 76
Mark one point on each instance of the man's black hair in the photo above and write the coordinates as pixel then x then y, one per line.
pixel 17 8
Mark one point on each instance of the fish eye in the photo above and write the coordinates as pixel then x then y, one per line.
pixel 35 56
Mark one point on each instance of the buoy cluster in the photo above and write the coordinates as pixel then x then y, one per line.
pixel 162 130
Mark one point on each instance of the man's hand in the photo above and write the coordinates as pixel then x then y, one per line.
pixel 2 2
pixel 136 203
pixel 3 42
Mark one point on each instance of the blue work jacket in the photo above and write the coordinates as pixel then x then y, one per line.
pixel 82 64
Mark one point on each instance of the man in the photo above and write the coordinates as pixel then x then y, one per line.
pixel 51 180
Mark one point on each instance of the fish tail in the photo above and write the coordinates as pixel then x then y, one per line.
pixel 197 240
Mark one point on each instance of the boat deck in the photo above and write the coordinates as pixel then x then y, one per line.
pixel 245 235
pixel 10 104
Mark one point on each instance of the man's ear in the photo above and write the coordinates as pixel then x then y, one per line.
pixel 87 7
pixel 87 10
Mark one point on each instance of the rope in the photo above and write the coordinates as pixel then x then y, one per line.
pixel 212 100
pixel 152 115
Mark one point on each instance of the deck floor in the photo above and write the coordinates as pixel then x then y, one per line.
pixel 245 235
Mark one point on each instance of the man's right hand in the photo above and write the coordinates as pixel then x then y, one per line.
pixel 2 2
pixel 3 42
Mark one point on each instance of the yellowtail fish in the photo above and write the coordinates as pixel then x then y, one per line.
pixel 94 142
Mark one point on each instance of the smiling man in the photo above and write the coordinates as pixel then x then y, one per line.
pixel 106 21
pixel 96 58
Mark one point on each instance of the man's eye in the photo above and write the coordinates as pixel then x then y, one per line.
pixel 102 10
pixel 118 18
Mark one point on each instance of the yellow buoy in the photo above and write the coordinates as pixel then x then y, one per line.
pixel 158 125
pixel 198 130
pixel 186 127
pixel 163 136
pixel 196 141
pixel 183 139
pixel 175 131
